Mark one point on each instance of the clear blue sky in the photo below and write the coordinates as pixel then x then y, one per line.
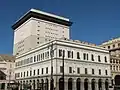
pixel 93 20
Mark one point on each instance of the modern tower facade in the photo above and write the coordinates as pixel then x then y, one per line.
pixel 36 27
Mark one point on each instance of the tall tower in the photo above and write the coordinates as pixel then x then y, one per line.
pixel 36 27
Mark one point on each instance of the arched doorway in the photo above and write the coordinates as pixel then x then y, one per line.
pixel 117 82
pixel 38 83
pixel 42 82
pixel 47 84
pixel 21 85
pixel 70 84
pixel 86 84
pixel 78 84
pixel 34 84
pixel 93 84
pixel 61 82
pixel 106 84
pixel 99 84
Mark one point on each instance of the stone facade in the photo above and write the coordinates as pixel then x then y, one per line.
pixel 114 48
pixel 6 71
pixel 91 67
pixel 86 66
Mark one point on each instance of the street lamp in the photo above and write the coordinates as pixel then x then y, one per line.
pixel 63 68
pixel 51 55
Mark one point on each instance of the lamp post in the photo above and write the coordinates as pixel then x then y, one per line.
pixel 51 55
pixel 63 68
pixel 9 79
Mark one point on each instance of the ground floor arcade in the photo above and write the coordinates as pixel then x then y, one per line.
pixel 70 83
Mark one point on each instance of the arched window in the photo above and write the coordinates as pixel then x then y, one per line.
pixel 99 58
pixel 105 59
pixel 86 84
pixel 92 57
pixel 106 84
pixel 34 84
pixel 47 84
pixel 37 83
pixel 93 84
pixel 70 84
pixel 99 84
pixel 61 82
pixel 42 86
pixel 78 84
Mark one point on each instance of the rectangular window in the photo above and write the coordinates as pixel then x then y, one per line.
pixel 31 59
pixel 34 58
pixel 84 56
pixel 78 55
pixel 43 56
pixel 18 74
pixel 38 72
pixel 69 54
pixel 46 70
pixel 21 74
pixel 106 72
pixel 99 59
pixel 37 57
pixel 92 71
pixel 27 73
pixel 72 54
pixel 87 56
pixel 60 52
pixel 85 70
pixel 105 59
pixel 99 71
pixel 78 70
pixel 24 74
pixel 34 72
pixel 42 70
pixel 30 73
pixel 61 69
pixel 92 57
pixel 70 69
pixel 48 54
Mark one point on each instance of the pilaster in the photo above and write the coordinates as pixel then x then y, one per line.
pixel 74 84
pixel 89 85
pixel 65 84
pixel 96 85
pixel 82 84
pixel 103 85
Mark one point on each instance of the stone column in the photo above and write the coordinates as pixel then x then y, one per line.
pixel 5 86
pixel 82 84
pixel 103 85
pixel 35 83
pixel 57 83
pixel 31 84
pixel 89 85
pixel 96 85
pixel 66 84
pixel 74 84
pixel 49 83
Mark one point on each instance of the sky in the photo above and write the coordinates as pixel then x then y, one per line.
pixel 94 21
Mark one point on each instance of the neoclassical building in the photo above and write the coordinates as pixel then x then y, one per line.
pixel 113 46
pixel 7 74
pixel 40 39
